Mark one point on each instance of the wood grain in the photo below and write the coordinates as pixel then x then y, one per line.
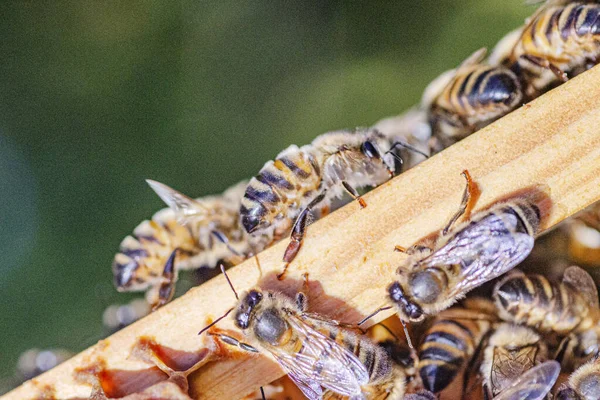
pixel 551 145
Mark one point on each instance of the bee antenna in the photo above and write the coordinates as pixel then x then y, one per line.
pixel 228 281
pixel 262 393
pixel 406 146
pixel 380 309
pixel 215 322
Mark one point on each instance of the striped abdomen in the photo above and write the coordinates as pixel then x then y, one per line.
pixel 565 36
pixel 527 216
pixel 448 345
pixel 142 257
pixel 279 190
pixel 474 98
pixel 534 301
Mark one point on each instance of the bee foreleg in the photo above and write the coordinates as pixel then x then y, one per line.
pixel 543 63
pixel 298 231
pixel 465 203
pixel 301 301
pixel 352 192
pixel 234 342
pixel 225 240
pixel 166 290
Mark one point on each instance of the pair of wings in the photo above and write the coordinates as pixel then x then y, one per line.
pixel 485 249
pixel 321 363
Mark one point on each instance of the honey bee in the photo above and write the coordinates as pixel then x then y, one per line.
pixel 511 351
pixel 584 383
pixel 464 100
pixel 566 308
pixel 559 40
pixel 449 344
pixel 303 179
pixel 187 235
pixel 491 243
pixel 34 362
pixel 320 356
pixel 118 316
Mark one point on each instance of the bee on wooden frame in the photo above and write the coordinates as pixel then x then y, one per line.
pixel 449 344
pixel 464 257
pixel 583 384
pixel 321 356
pixel 464 100
pixel 560 40
pixel 303 179
pixel 190 234
pixel 567 308
pixel 511 351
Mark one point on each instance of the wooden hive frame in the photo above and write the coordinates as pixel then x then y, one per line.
pixel 551 146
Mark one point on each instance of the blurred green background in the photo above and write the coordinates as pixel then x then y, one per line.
pixel 97 96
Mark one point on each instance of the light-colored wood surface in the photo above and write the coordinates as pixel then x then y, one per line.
pixel 552 145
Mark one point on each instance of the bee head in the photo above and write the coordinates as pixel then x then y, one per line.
pixel 245 310
pixel 409 309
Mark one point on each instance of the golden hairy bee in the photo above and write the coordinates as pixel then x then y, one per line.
pixel 303 179
pixel 583 384
pixel 561 39
pixel 464 100
pixel 191 233
pixel 448 345
pixel 464 257
pixel 567 308
pixel 321 356
pixel 511 351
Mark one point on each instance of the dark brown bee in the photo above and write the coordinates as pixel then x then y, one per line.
pixel 491 243
pixel 561 39
pixel 303 179
pixel 464 100
pixel 191 233
pixel 511 351
pixel 320 356
pixel 566 308
pixel 584 383
pixel 449 344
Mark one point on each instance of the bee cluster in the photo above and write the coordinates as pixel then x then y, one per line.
pixel 517 335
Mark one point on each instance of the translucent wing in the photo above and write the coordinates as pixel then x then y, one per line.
pixel 484 249
pixel 184 207
pixel 321 362
pixel 474 58
pixel 579 279
pixel 533 384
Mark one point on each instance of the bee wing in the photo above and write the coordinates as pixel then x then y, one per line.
pixel 533 384
pixel 484 249
pixel 474 58
pixel 579 279
pixel 184 207
pixel 321 362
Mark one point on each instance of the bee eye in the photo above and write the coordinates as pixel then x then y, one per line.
pixel 253 298
pixel 369 150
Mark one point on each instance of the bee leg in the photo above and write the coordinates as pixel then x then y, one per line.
pixel 302 301
pixel 374 313
pixel 166 290
pixel 262 393
pixel 352 192
pixel 417 248
pixel 225 240
pixel 234 342
pixel 543 63
pixel 298 232
pixel 466 202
